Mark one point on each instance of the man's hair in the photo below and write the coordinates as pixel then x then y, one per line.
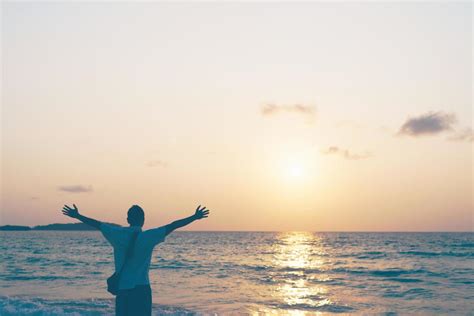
pixel 136 216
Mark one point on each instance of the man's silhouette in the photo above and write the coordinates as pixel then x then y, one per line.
pixel 134 297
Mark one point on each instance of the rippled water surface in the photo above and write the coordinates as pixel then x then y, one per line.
pixel 297 273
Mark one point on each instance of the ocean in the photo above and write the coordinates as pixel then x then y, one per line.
pixel 254 273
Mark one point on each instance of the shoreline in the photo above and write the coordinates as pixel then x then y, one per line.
pixel 28 305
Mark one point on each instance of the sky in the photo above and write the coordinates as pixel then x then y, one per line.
pixel 276 116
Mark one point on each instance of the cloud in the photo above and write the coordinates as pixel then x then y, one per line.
pixel 156 163
pixel 346 154
pixel 269 109
pixel 466 134
pixel 428 124
pixel 75 188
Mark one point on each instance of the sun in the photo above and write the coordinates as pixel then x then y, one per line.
pixel 293 167
pixel 295 170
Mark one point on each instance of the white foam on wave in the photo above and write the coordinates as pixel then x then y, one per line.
pixel 33 306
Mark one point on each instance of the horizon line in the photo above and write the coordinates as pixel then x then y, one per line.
pixel 270 231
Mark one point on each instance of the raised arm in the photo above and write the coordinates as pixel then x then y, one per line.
pixel 199 214
pixel 74 213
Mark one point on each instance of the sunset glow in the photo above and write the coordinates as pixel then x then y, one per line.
pixel 256 110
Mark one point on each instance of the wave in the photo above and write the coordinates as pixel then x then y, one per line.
pixel 41 278
pixel 329 308
pixel 174 264
pixel 393 272
pixel 437 254
pixel 371 255
pixel 405 280
pixel 276 274
pixel 414 293
pixel 388 273
pixel 29 306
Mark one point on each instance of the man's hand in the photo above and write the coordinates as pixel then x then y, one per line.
pixel 74 213
pixel 71 212
pixel 201 212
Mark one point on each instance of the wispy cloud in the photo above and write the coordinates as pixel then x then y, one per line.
pixel 156 163
pixel 428 124
pixel 346 154
pixel 269 109
pixel 466 134
pixel 75 188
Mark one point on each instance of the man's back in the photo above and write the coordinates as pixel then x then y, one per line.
pixel 135 271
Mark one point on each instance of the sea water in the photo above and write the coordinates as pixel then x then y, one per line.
pixel 288 273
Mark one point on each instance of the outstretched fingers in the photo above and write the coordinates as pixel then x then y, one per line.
pixel 202 212
pixel 68 208
pixel 68 211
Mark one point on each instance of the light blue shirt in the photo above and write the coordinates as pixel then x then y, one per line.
pixel 136 269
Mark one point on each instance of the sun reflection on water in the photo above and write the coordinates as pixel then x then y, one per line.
pixel 298 255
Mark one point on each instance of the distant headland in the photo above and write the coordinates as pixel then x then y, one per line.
pixel 68 226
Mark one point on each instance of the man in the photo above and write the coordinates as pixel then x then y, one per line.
pixel 134 297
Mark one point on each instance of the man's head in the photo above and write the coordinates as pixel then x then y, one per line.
pixel 136 216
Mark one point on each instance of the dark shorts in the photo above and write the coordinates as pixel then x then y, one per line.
pixel 134 302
